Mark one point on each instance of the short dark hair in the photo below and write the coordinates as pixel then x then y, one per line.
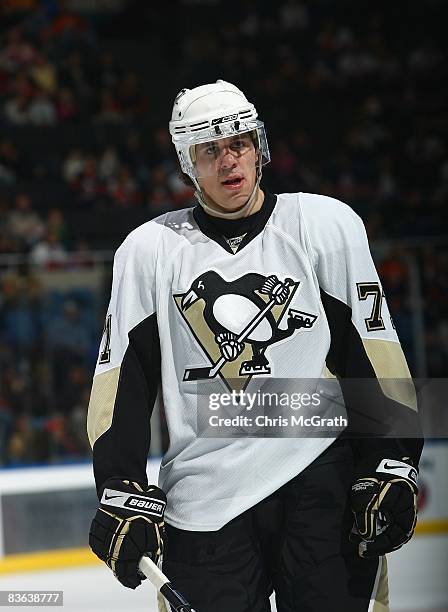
pixel 186 180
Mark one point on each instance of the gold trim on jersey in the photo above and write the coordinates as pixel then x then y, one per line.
pixel 102 402
pixel 388 361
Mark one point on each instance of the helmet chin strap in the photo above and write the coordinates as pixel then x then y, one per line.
pixel 235 214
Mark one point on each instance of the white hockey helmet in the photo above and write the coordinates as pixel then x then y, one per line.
pixel 213 112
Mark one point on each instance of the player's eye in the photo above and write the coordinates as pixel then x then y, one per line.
pixel 239 143
pixel 211 150
pixel 207 151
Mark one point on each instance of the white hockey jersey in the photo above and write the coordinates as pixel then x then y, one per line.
pixel 186 289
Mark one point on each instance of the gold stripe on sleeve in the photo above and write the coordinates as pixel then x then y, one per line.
pixel 101 404
pixel 388 361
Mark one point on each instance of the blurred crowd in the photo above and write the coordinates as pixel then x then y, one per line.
pixel 354 97
pixel 52 71
pixel 354 102
pixel 48 347
pixel 127 177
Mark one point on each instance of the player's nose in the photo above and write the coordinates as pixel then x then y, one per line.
pixel 228 161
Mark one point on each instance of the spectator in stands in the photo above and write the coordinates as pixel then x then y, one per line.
pixel 21 446
pixel 41 111
pixel 76 380
pixel 294 15
pixel 23 221
pixel 181 194
pixel 16 110
pixel 60 440
pixel 284 164
pixel 89 186
pixel 81 256
pixel 73 166
pixel 73 74
pixel 67 108
pixel 17 52
pixel 44 75
pixel 69 26
pixel 387 187
pixel 56 224
pixel 49 253
pixel 109 111
pixel 15 390
pixel 76 422
pixel 135 157
pixel 123 189
pixel 159 198
pixel 130 99
pixel 21 85
pixel 69 342
pixel 11 164
pixel 394 273
pixel 109 164
pixel 109 71
pixel 21 315
pixel 8 244
pixel 161 149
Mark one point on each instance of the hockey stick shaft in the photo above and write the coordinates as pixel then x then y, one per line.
pixel 177 602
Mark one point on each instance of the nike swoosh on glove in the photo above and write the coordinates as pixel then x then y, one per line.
pixel 384 503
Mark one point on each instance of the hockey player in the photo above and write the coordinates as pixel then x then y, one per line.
pixel 244 287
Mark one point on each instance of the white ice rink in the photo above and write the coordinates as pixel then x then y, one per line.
pixel 86 589
pixel 93 588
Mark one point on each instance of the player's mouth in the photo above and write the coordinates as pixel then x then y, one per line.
pixel 233 183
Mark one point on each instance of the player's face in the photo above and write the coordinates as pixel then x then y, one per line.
pixel 227 170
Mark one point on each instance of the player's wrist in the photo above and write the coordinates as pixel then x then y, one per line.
pixel 387 465
pixel 127 498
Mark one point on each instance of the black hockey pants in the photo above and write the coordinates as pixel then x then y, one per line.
pixel 294 542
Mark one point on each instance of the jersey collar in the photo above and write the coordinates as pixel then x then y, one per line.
pixel 219 229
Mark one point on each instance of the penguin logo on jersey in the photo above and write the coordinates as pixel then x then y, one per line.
pixel 236 321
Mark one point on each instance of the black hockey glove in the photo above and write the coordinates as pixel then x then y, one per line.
pixel 128 525
pixel 384 504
